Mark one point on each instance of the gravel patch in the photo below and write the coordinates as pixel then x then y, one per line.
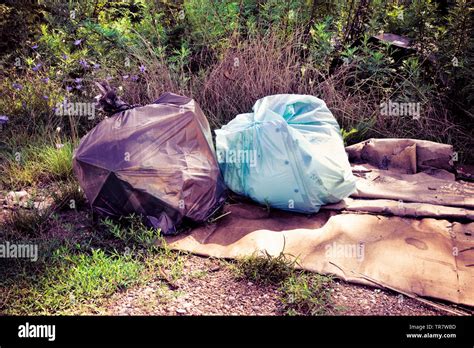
pixel 208 287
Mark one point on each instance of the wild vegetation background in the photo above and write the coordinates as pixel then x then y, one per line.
pixel 225 54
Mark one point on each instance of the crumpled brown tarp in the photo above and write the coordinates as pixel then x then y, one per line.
pixel 407 228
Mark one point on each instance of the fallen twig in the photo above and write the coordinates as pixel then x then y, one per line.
pixel 164 276
pixel 220 216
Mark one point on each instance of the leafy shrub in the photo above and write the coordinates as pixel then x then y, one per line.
pixel 228 54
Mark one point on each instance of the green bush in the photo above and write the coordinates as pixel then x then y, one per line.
pixel 191 46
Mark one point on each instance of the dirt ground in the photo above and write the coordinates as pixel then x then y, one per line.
pixel 210 288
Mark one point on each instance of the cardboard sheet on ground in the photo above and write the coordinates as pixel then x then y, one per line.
pixel 407 228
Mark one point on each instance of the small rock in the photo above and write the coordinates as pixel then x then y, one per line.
pixel 19 197
pixel 181 311
pixel 249 283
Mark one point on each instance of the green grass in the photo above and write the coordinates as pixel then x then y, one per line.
pixel 146 243
pixel 68 195
pixel 32 221
pixel 56 163
pixel 199 274
pixel 306 294
pixel 72 280
pixel 26 222
pixel 73 277
pixel 34 163
pixel 169 261
pixel 265 269
pixel 301 293
pixel 83 278
pixel 131 229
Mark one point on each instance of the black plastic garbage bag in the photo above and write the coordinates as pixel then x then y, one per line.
pixel 156 160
